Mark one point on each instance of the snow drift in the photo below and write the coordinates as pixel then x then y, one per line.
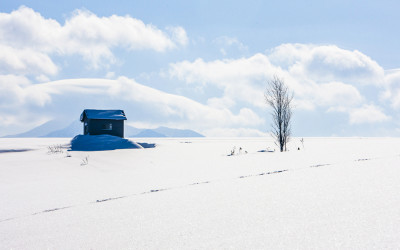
pixel 104 142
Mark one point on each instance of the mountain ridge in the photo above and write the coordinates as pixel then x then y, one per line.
pixel 52 129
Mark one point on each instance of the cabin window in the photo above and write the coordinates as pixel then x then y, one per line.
pixel 107 126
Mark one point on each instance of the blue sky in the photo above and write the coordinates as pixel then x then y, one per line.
pixel 202 65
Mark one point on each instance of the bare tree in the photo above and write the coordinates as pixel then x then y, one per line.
pixel 279 99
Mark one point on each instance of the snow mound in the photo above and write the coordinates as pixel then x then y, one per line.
pixel 104 142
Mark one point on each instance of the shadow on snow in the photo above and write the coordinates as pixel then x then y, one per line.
pixel 105 142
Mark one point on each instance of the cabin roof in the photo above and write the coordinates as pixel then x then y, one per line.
pixel 103 114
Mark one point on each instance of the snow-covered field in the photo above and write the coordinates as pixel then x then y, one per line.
pixel 336 193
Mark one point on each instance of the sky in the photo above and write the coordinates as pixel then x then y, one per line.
pixel 202 65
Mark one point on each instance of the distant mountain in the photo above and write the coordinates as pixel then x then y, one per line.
pixel 149 133
pixel 72 130
pixel 173 132
pixel 39 131
pixel 130 131
pixel 57 128
pixel 163 132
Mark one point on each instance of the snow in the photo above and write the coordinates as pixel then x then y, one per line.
pixel 335 193
pixel 103 114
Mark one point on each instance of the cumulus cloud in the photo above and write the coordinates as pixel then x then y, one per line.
pixel 84 33
pixel 25 61
pixel 245 79
pixel 12 90
pixel 242 79
pixel 392 88
pixel 368 114
pixel 321 76
pixel 336 94
pixel 325 63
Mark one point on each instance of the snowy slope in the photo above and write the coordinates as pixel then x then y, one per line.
pixel 336 193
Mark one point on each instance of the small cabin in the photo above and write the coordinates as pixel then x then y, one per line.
pixel 100 122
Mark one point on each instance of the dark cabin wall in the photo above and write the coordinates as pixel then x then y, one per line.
pixel 96 127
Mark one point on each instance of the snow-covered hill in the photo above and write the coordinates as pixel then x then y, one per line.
pixel 333 193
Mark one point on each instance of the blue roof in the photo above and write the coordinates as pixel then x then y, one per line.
pixel 103 114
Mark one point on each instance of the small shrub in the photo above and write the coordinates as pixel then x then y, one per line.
pixel 55 149
pixel 237 152
pixel 85 161
pixel 232 151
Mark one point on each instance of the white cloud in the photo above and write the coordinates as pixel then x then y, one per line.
pixel 287 55
pixel 69 97
pixel 368 114
pixel 326 77
pixel 178 35
pixel 327 63
pixel 84 33
pixel 245 79
pixel 392 88
pixel 234 132
pixel 110 75
pixel 25 61
pixel 228 44
pixel 42 78
pixel 330 62
pixel 85 28
pixel 395 100
pixel 224 102
pixel 12 91
pixel 242 79
pixel 222 72
pixel 337 94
